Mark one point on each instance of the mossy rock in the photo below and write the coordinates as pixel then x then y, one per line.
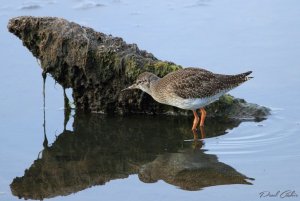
pixel 98 66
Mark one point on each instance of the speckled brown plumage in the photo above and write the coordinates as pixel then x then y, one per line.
pixel 198 83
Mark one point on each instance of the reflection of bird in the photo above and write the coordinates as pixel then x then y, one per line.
pixel 189 88
pixel 199 144
pixel 191 169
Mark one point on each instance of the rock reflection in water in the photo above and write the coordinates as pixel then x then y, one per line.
pixel 101 149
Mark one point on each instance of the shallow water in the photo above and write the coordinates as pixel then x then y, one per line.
pixel 154 158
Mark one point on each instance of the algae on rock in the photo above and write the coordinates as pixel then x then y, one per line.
pixel 98 66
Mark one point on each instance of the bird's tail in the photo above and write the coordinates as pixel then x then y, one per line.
pixel 244 76
pixel 240 78
pixel 232 81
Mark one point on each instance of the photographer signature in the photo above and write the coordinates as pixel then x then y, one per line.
pixel 280 194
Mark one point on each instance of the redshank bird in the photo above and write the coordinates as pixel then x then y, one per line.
pixel 189 88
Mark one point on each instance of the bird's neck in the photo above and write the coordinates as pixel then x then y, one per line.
pixel 152 87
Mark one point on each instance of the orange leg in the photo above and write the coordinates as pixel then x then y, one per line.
pixel 196 120
pixel 203 115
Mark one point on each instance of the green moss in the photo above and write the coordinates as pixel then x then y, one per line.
pixel 227 99
pixel 161 68
pixel 135 66
pixel 132 69
pixel 220 107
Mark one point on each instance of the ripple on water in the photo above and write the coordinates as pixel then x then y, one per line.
pixel 88 5
pixel 277 138
pixel 30 6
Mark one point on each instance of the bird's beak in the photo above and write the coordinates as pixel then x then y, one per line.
pixel 134 86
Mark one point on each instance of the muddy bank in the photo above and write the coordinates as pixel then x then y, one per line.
pixel 98 66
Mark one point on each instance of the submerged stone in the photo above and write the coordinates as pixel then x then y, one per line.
pixel 98 66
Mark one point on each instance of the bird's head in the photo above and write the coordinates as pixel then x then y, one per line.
pixel 144 82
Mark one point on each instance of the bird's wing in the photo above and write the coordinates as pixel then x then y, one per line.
pixel 195 83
